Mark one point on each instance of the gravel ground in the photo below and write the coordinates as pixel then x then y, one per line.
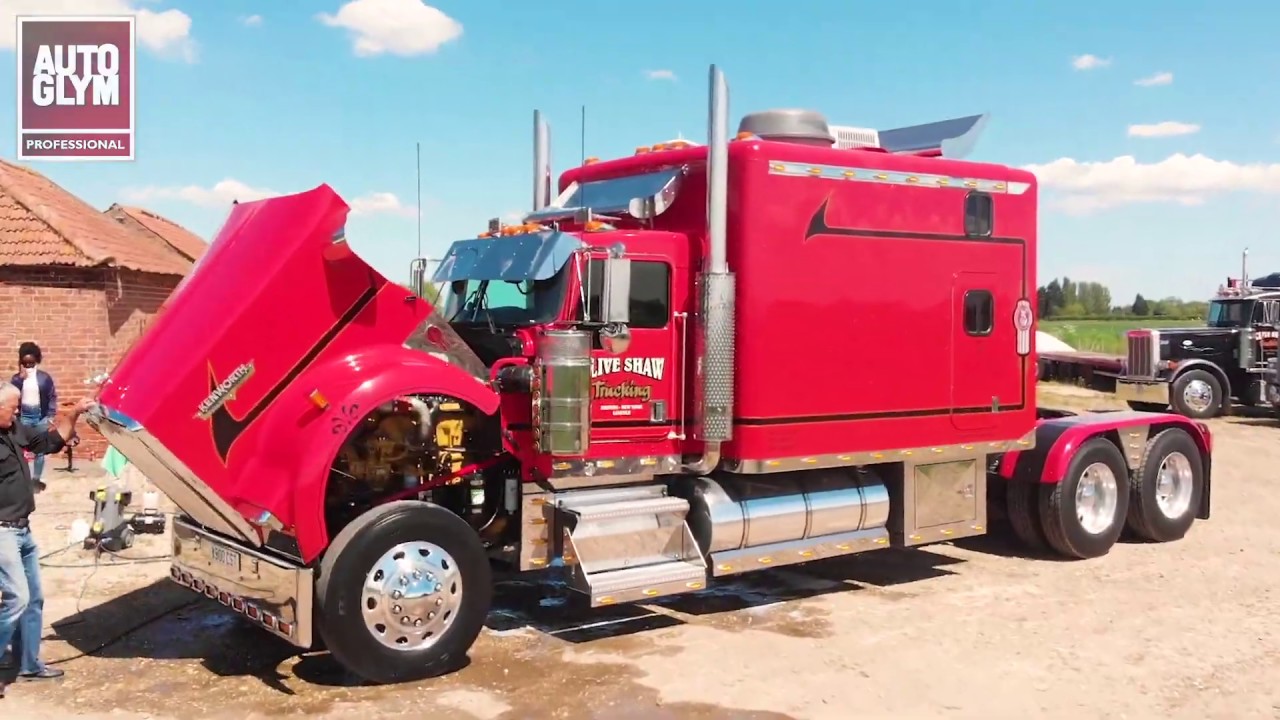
pixel 972 630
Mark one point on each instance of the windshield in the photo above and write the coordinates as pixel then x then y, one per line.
pixel 505 302
pixel 1230 313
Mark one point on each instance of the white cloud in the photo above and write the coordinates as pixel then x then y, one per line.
pixel 381 203
pixel 660 75
pixel 220 195
pixel 252 20
pixel 224 192
pixel 166 32
pixel 1168 128
pixel 1082 187
pixel 1160 78
pixel 398 27
pixel 1089 62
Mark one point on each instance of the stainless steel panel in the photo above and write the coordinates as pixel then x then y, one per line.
pixel 248 581
pixel 946 493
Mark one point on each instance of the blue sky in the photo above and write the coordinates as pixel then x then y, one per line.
pixel 327 91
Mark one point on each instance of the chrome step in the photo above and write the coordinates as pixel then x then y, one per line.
pixel 629 544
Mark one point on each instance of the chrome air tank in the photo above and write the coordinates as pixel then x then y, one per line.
pixel 561 390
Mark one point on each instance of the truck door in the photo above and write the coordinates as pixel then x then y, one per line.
pixel 984 360
pixel 631 391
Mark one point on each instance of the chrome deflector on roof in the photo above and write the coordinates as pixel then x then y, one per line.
pixel 170 475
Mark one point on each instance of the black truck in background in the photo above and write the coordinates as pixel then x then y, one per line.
pixel 1198 371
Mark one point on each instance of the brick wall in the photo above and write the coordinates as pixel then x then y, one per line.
pixel 82 319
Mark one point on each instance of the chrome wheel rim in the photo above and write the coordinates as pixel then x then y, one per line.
pixel 1174 485
pixel 1198 396
pixel 1097 495
pixel 411 596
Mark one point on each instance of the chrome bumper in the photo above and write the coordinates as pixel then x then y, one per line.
pixel 1155 392
pixel 273 593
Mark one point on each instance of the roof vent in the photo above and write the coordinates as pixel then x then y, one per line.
pixel 855 137
pixel 804 127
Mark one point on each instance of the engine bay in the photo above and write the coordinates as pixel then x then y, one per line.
pixel 421 447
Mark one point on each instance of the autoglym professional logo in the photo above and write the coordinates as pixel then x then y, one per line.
pixel 76 87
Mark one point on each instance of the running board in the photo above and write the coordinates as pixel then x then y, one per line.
pixel 629 544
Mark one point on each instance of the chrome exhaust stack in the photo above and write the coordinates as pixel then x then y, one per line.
pixel 541 162
pixel 714 341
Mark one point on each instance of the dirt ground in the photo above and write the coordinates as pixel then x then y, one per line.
pixel 974 630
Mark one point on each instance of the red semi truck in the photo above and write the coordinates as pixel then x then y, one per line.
pixel 692 362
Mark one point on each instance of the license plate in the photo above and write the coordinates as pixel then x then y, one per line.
pixel 223 556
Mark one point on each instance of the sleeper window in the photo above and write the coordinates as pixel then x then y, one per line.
pixel 978 212
pixel 979 312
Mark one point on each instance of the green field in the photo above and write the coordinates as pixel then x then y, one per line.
pixel 1105 336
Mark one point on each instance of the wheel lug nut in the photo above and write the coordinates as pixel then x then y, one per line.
pixel 431 616
pixel 395 609
pixel 404 620
pixel 417 623
pixel 416 575
pixel 438 586
pixel 396 594
pixel 439 602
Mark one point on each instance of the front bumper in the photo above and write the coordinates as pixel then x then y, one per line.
pixel 1155 392
pixel 272 592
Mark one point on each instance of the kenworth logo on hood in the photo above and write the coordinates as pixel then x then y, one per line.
pixel 224 391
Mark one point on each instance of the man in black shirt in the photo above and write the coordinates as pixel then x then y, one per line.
pixel 21 597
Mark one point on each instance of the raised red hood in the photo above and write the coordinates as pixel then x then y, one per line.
pixel 236 397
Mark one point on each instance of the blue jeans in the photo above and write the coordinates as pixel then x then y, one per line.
pixel 31 418
pixel 21 598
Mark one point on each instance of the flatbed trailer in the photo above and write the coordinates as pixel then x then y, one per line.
pixel 1096 371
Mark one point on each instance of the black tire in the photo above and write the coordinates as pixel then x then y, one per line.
pixel 1062 527
pixel 1178 402
pixel 1146 407
pixel 353 554
pixel 1146 519
pixel 1022 503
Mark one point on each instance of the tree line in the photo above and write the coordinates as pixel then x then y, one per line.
pixel 1067 299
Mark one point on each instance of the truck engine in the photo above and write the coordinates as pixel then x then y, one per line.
pixel 422 447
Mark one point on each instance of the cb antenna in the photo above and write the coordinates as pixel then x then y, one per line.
pixel 418 150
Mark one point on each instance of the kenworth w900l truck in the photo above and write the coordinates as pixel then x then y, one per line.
pixel 692 362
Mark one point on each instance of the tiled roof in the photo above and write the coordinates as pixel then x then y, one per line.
pixel 43 224
pixel 190 245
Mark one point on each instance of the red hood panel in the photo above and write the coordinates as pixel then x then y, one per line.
pixel 278 292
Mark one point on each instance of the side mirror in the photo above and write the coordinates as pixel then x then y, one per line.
pixel 615 338
pixel 615 296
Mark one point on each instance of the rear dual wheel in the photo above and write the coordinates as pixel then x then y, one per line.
pixel 1083 515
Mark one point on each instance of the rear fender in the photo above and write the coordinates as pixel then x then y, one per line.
pixel 349 388
pixel 1058 439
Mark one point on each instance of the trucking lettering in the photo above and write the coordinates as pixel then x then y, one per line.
pixel 798 342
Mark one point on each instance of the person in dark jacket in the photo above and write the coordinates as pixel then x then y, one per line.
pixel 39 397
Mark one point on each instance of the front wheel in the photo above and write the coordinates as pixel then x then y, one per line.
pixel 1197 394
pixel 1085 512
pixel 403 592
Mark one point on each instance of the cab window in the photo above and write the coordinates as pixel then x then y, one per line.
pixel 650 302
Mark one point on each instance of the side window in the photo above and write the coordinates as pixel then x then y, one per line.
pixel 979 312
pixel 978 214
pixel 650 292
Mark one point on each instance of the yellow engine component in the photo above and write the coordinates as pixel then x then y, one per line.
pixel 449 432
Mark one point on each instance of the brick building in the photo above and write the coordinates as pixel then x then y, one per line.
pixel 80 282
